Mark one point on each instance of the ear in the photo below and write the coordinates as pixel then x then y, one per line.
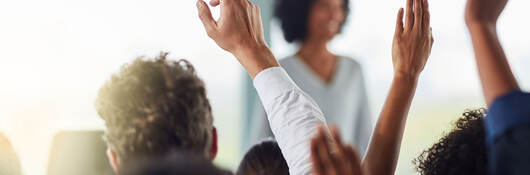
pixel 214 143
pixel 113 160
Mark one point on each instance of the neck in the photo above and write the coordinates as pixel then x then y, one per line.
pixel 312 49
pixel 317 56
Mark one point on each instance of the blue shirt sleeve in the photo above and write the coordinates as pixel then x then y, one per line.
pixel 507 112
pixel 508 134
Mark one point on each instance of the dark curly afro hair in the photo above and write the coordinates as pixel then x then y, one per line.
pixel 462 151
pixel 293 16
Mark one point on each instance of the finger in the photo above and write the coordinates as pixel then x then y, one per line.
pixel 341 161
pixel 354 159
pixel 330 144
pixel 399 22
pixel 324 151
pixel 432 37
pixel 410 16
pixel 426 15
pixel 206 17
pixel 418 14
pixel 318 168
pixel 227 5
pixel 242 2
pixel 215 3
pixel 336 136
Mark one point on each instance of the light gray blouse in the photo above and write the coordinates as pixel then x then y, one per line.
pixel 343 101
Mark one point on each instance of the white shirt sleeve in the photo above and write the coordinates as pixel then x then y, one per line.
pixel 294 117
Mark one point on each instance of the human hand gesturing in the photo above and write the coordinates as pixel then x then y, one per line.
pixel 239 25
pixel 332 157
pixel 239 31
pixel 413 40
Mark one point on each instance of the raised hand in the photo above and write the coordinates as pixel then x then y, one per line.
pixel 239 31
pixel 410 51
pixel 333 159
pixel 484 11
pixel 412 41
pixel 239 24
pixel 495 73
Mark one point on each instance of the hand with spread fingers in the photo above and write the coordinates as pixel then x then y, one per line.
pixel 413 40
pixel 239 31
pixel 332 157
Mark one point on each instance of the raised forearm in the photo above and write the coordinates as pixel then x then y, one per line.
pixel 495 74
pixel 383 151
pixel 410 51
pixel 256 59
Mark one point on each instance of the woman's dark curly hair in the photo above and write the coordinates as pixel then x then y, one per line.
pixel 293 16
pixel 462 151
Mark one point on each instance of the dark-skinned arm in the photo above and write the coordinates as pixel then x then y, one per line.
pixel 495 74
pixel 508 122
pixel 411 49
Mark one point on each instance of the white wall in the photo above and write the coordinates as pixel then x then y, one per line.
pixel 55 55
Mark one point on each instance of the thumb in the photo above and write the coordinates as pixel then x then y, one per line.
pixel 214 3
pixel 206 17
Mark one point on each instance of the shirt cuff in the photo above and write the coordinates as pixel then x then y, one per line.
pixel 506 113
pixel 271 83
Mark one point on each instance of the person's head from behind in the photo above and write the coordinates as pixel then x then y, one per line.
pixel 262 159
pixel 303 20
pixel 462 151
pixel 9 162
pixel 155 106
pixel 180 163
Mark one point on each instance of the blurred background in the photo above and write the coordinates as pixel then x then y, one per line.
pixel 55 54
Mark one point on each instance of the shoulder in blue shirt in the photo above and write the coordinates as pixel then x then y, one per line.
pixel 508 134
pixel 507 112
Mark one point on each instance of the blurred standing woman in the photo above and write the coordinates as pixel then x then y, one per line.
pixel 335 82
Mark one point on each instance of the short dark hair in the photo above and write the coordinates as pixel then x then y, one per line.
pixel 462 151
pixel 263 159
pixel 154 106
pixel 181 163
pixel 293 16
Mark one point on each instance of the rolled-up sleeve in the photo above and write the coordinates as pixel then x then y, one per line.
pixel 293 116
